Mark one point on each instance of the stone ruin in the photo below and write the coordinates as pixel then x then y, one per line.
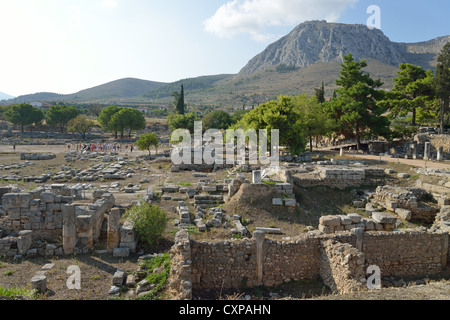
pixel 34 223
pixel 422 146
pixel 340 259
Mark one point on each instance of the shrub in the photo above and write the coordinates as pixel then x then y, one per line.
pixel 149 223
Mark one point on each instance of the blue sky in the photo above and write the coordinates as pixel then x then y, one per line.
pixel 65 46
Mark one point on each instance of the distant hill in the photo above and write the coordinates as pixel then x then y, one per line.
pixel 123 88
pixel 4 96
pixel 193 85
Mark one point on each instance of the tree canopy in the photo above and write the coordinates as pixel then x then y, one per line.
pixel 81 125
pixel 278 115
pixel 104 119
pixel 60 115
pixel 218 119
pixel 355 108
pixel 412 92
pixel 146 141
pixel 442 82
pixel 179 121
pixel 127 118
pixel 23 114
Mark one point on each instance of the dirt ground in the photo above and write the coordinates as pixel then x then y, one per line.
pixel 97 270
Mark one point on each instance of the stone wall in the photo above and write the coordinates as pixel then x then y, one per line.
pixel 180 282
pixel 340 177
pixel 442 140
pixel 406 253
pixel 259 261
pixel 342 267
pixel 45 216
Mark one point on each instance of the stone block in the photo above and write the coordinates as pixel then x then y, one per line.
pixel 39 283
pixel 345 220
pixel 290 202
pixel 277 201
pixel 47 197
pixel 383 217
pixel 121 252
pixel 356 218
pixel 119 278
pixel 84 223
pixel 326 229
pixel 330 221
pixel 129 245
pixel 403 214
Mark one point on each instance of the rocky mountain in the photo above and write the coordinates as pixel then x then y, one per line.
pixel 319 41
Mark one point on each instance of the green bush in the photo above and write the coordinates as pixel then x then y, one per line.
pixel 149 223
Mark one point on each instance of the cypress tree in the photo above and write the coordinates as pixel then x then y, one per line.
pixel 180 102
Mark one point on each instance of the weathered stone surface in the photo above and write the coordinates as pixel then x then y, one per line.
pixel 403 214
pixel 330 221
pixel 383 217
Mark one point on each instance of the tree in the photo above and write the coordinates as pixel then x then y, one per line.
pixel 80 124
pixel 127 118
pixel 442 82
pixel 218 119
pixel 178 121
pixel 146 141
pixel 60 115
pixel 279 115
pixel 23 114
pixel 312 117
pixel 179 103
pixel 320 93
pixel 149 223
pixel 412 92
pixel 355 108
pixel 104 119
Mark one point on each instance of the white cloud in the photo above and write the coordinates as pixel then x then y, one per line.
pixel 254 16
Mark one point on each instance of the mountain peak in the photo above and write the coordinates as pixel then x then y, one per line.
pixel 321 41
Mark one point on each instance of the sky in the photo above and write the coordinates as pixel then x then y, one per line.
pixel 65 46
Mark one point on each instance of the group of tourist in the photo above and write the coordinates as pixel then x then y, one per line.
pixel 101 147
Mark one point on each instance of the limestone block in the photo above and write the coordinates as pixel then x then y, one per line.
pixel 403 213
pixel 368 224
pixel 326 229
pixel 39 283
pixel 345 220
pixel 24 241
pixel 119 278
pixel 356 218
pixel 383 217
pixel 47 197
pixel 129 245
pixel 290 202
pixel 121 252
pixel 277 202
pixel 127 232
pixel 330 221
pixel 84 223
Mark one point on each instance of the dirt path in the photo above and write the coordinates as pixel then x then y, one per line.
pixel 411 162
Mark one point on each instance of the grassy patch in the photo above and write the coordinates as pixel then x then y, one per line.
pixel 14 293
pixel 158 271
